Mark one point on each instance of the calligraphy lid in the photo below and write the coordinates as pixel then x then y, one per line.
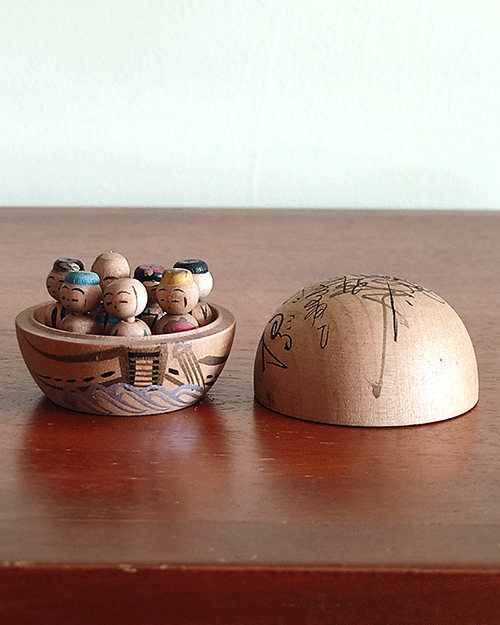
pixel 366 350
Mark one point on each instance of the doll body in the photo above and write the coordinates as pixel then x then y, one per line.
pixel 131 327
pixel 203 313
pixel 175 323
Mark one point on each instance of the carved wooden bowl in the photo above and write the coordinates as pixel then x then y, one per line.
pixel 112 375
pixel 366 351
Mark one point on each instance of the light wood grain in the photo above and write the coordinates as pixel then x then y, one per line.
pixel 258 515
pixel 367 350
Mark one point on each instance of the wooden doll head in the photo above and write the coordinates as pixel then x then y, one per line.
pixel 177 292
pixel 125 298
pixel 80 292
pixel 60 268
pixel 150 276
pixel 201 274
pixel 111 266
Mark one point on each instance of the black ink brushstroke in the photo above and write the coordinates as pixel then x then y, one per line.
pixel 274 331
pixel 275 360
pixel 394 313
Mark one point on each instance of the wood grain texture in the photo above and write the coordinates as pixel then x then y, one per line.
pixel 370 351
pixel 258 515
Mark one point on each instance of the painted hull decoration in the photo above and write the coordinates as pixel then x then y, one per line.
pixel 118 376
pixel 131 400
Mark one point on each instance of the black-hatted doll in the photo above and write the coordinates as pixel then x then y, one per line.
pixel 125 299
pixel 177 294
pixel 204 280
pixel 55 312
pixel 150 276
pixel 81 296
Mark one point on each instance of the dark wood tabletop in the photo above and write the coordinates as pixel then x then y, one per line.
pixel 226 512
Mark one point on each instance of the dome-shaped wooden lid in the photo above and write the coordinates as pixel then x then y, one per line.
pixel 366 351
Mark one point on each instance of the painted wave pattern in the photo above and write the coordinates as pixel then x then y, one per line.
pixel 129 400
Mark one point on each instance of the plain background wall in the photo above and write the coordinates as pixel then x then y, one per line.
pixel 316 103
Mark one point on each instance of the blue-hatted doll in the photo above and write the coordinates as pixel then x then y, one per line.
pixel 81 295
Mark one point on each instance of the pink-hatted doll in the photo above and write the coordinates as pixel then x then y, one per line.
pixel 177 294
pixel 81 296
pixel 150 276
pixel 125 299
pixel 55 312
pixel 204 280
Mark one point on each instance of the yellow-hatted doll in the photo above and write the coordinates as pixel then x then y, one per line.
pixel 177 294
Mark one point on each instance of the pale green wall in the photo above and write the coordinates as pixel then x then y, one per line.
pixel 383 103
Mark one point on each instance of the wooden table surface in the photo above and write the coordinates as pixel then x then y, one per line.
pixel 227 512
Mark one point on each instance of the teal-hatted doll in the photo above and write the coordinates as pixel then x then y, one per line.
pixel 81 295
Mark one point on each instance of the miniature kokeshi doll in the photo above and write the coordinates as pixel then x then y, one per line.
pixel 110 266
pixel 177 294
pixel 81 296
pixel 125 299
pixel 203 278
pixel 201 274
pixel 56 312
pixel 150 276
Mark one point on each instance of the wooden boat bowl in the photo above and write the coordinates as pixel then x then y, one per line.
pixel 113 375
pixel 366 351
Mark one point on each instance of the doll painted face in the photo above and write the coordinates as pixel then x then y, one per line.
pixel 55 279
pixel 177 292
pixel 125 298
pixel 80 292
pixel 111 266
